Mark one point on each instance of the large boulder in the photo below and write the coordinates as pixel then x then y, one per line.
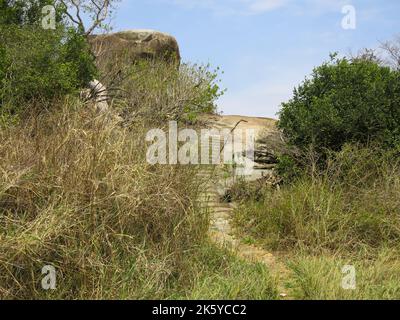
pixel 134 45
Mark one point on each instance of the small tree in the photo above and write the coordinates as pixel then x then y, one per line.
pixel 22 12
pixel 344 101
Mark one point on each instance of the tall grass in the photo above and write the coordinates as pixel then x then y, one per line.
pixel 345 214
pixel 77 193
pixel 353 203
pixel 320 277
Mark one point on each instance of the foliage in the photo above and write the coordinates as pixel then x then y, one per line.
pixel 288 167
pixel 344 101
pixel 22 12
pixel 37 63
pixel 162 91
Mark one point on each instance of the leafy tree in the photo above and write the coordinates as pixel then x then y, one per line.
pixel 344 101
pixel 38 63
pixel 22 12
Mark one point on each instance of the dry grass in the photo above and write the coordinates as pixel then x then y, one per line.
pixel 77 193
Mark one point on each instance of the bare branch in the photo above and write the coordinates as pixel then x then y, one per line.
pixel 76 4
pixel 70 16
pixel 392 48
pixel 101 15
pixel 97 10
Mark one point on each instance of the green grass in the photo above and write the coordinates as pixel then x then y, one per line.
pixel 220 275
pixel 347 214
pixel 320 277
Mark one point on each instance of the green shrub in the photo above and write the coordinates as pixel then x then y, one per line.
pixel 287 168
pixel 344 101
pixel 22 12
pixel 37 63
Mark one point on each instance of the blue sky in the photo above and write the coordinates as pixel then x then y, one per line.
pixel 264 47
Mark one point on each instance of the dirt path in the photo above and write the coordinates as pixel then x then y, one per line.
pixel 221 227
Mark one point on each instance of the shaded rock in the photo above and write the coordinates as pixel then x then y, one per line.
pixel 96 96
pixel 269 146
pixel 265 157
pixel 99 95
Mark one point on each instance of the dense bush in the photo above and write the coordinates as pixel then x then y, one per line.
pixel 344 101
pixel 37 63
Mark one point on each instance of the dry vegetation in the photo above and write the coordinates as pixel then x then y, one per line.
pixel 77 193
pixel 345 214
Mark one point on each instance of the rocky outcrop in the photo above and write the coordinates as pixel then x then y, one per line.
pixel 134 45
pixel 269 146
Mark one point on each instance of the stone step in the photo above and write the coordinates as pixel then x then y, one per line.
pixel 221 225
pixel 208 199
pixel 217 204
pixel 220 215
pixel 223 239
pixel 258 166
pixel 223 210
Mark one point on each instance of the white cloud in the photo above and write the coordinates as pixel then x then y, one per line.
pixel 258 99
pixel 254 7
pixel 246 7
pixel 260 6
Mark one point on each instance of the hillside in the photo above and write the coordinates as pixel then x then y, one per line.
pixel 121 179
